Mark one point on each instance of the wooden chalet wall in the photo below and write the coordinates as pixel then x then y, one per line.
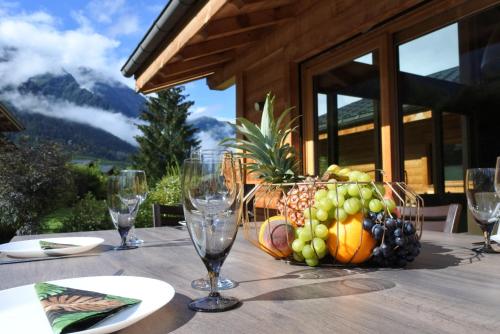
pixel 272 64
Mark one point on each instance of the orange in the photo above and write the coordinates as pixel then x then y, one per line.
pixel 276 235
pixel 348 242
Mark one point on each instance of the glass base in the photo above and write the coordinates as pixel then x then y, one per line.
pixel 136 242
pixel 124 247
pixel 223 283
pixel 485 249
pixel 214 304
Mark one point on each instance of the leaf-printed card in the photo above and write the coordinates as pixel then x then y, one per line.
pixel 45 245
pixel 69 310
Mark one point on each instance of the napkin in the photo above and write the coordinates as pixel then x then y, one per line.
pixel 70 310
pixel 53 245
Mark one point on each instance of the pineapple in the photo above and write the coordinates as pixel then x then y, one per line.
pixel 273 160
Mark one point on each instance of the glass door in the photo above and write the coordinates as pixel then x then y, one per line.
pixel 347 103
pixel 448 82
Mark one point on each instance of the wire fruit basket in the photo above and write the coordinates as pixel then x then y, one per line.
pixel 335 222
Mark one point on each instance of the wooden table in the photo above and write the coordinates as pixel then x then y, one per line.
pixel 448 289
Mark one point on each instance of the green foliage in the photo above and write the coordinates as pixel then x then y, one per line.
pixel 144 216
pixel 166 138
pixel 53 221
pixel 89 214
pixel 271 158
pixel 34 180
pixel 167 191
pixel 89 179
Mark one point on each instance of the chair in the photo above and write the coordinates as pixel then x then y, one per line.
pixel 167 215
pixel 443 218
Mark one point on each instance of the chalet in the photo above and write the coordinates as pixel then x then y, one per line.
pixel 407 86
pixel 7 124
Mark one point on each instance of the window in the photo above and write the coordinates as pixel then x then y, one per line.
pixel 347 104
pixel 446 83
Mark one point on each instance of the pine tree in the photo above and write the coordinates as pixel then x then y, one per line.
pixel 166 138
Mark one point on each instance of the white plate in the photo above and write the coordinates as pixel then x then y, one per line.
pixel 21 312
pixel 31 248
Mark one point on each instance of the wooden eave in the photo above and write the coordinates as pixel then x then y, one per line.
pixel 219 33
pixel 7 121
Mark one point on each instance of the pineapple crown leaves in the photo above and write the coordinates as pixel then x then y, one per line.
pixel 272 159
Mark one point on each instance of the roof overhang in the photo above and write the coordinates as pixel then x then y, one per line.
pixel 203 37
pixel 8 123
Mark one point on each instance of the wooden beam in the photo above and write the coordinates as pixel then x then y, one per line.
pixel 297 37
pixel 245 22
pixel 390 120
pixel 162 81
pixel 241 3
pixel 222 44
pixel 195 64
pixel 192 28
pixel 217 80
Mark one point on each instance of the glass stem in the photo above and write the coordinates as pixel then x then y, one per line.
pixel 213 276
pixel 487 235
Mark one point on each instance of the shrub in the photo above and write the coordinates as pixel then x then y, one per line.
pixel 89 179
pixel 34 180
pixel 168 191
pixel 89 214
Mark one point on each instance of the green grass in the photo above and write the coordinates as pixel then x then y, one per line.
pixel 53 221
pixel 118 164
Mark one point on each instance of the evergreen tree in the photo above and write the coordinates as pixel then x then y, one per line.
pixel 166 138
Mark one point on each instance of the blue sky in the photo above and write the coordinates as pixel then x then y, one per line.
pixel 107 31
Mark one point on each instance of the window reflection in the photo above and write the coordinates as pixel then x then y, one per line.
pixel 347 103
pixel 449 84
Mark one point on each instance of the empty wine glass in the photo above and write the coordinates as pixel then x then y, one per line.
pixel 223 283
pixel 497 177
pixel 136 187
pixel 119 212
pixel 496 237
pixel 482 201
pixel 212 207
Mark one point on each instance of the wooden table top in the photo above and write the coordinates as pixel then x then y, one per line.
pixel 448 289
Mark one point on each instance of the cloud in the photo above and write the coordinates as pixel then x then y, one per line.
pixel 125 25
pixel 37 47
pixel 117 124
pixel 196 111
pixel 207 141
pixel 104 10
pixel 114 16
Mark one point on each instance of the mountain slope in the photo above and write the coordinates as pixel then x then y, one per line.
pixel 79 139
pixel 215 129
pixel 89 115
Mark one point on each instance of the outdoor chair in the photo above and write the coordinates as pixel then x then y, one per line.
pixel 167 215
pixel 439 218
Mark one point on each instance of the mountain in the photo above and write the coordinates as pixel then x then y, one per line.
pixel 213 128
pixel 79 139
pixel 89 115
pixel 63 87
pixel 98 121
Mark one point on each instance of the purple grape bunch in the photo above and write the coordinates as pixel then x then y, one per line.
pixel 397 242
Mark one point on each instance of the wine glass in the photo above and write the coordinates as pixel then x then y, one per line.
pixel 496 237
pixel 119 212
pixel 483 202
pixel 223 283
pixel 212 207
pixel 135 180
pixel 497 177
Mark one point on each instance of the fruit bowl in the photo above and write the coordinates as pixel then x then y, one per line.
pixel 341 221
